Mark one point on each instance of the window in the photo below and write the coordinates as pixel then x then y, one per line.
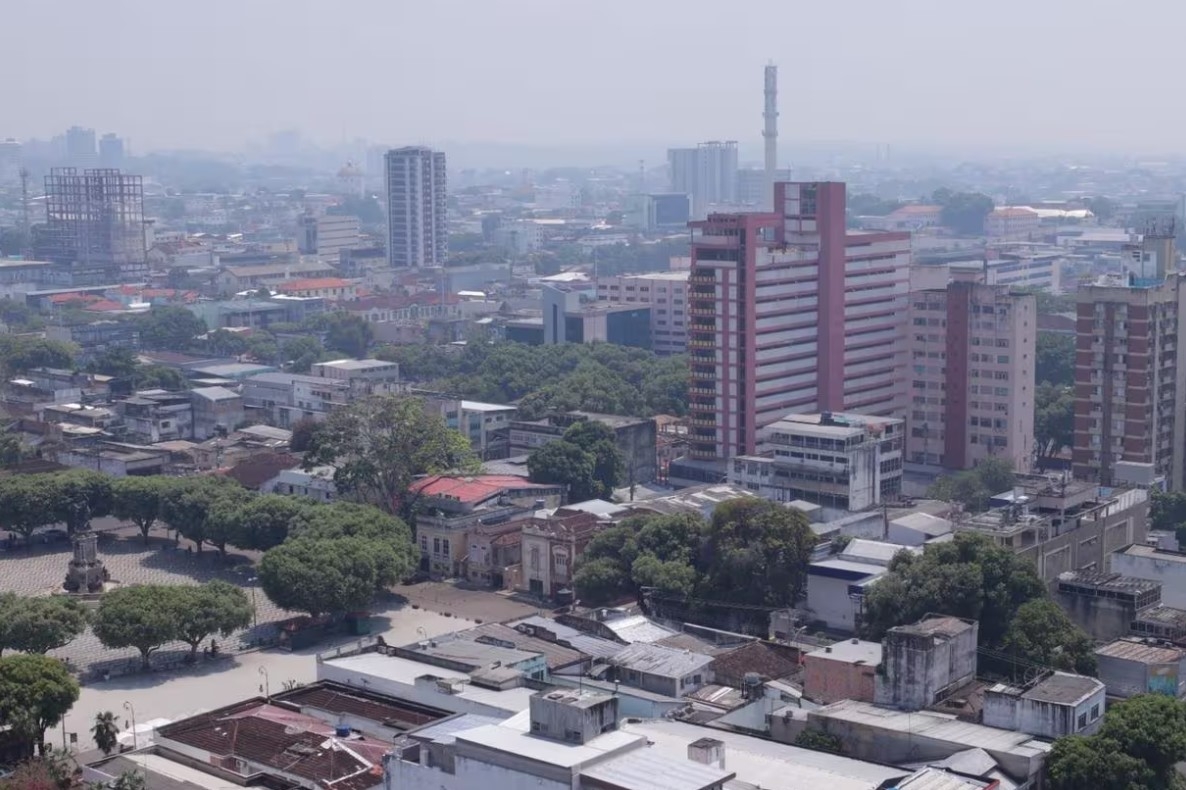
pixel 1082 720
pixel 423 543
pixel 1095 712
pixel 436 545
pixel 535 559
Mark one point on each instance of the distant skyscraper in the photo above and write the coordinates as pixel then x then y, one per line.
pixel 770 130
pixel 417 234
pixel 80 147
pixel 708 173
pixel 111 151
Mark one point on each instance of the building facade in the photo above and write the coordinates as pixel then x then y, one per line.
pixel 972 353
pixel 667 295
pixel 839 461
pixel 326 236
pixel 416 193
pixel 708 173
pixel 792 312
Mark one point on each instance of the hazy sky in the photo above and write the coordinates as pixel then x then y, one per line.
pixel 217 73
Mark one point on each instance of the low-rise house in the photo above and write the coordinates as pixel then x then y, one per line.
pixel 216 411
pixel 844 670
pixel 316 483
pixel 551 548
pixel 1129 667
pixel 1053 706
pixel 494 554
pixel 925 661
pixel 233 279
pixel 365 376
pixel 152 416
pixel 284 399
pixel 451 506
pixel 663 670
pixel 324 287
pixel 79 414
pixel 835 590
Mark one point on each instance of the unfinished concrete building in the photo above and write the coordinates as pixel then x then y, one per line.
pixel 94 226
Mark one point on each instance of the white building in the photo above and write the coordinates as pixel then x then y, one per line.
pixel 326 236
pixel 840 461
pixel 1159 565
pixel 1054 706
pixel 417 234
pixel 316 483
pixel 365 376
pixel 667 295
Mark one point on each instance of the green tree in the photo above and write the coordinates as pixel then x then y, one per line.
pixel 263 348
pixel 261 522
pixel 599 440
pixel 963 212
pixel 1077 762
pixel 820 741
pixel 300 353
pixel 973 488
pixel 673 577
pixel 757 553
pixel 969 577
pixel 120 362
pixel 224 343
pixel 1167 511
pixel 601 581
pixel 80 495
pixel 35 693
pixel 11 449
pixel 27 503
pixel 215 607
pixel 139 500
pixel 170 328
pixel 186 506
pixel 1054 359
pixel 1054 421
pixel 322 576
pixel 352 520
pixel 40 624
pixel 302 435
pixel 1041 633
pixel 566 464
pixel 142 617
pixel 159 377
pixel 129 780
pixel 105 731
pixel 345 333
pixel 1151 728
pixel 20 353
pixel 1104 208
pixel 378 445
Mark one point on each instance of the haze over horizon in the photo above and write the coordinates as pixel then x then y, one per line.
pixel 1011 76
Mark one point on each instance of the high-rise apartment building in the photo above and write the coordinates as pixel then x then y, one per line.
pixel 971 374
pixel 1130 368
pixel 417 234
pixel 708 173
pixel 791 312
pixel 111 151
pixel 80 147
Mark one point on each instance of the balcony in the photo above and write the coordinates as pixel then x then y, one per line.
pixel 703 309
pixel 699 342
pixel 702 279
pixel 698 421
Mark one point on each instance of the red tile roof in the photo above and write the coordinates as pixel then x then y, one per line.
pixel 73 297
pixel 472 490
pixel 104 306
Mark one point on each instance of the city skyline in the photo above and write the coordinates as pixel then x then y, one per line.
pixel 505 73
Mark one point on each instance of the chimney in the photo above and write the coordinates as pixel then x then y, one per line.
pixel 707 751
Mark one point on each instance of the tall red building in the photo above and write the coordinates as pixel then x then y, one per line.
pixel 792 312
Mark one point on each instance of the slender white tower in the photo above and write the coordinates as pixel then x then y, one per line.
pixel 770 132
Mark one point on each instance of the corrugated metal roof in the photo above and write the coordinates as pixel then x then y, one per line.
pixel 662 661
pixel 646 769
pixel 637 628
pixel 1141 652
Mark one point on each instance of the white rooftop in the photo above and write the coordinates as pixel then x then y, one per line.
pixel 924 523
pixel 474 405
pixel 648 769
pixel 850 651
pixel 874 551
pixel 766 764
pixel 544 750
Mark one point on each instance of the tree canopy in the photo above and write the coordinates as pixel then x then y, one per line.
pixel 751 552
pixel 972 488
pixel 1054 421
pixel 963 212
pixel 35 693
pixel 143 617
pixel 596 377
pixel 139 500
pixel 169 328
pixel 1054 359
pixel 379 444
pixel 1136 748
pixel 325 575
pixel 40 624
pixel 187 504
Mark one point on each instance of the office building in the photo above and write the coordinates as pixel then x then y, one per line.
pixel 1130 367
pixel 326 236
pixel 661 211
pixel 416 191
pixel 708 173
pixel 10 161
pixel 80 147
pixel 94 226
pixel 971 374
pixel 665 293
pixel 111 151
pixel 839 461
pixel 790 312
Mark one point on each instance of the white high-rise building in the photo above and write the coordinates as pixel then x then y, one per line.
pixel 708 173
pixel 417 234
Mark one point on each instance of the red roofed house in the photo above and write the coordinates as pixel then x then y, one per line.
pixel 325 287
pixel 453 507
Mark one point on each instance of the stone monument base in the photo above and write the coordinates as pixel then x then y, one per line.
pixel 86 573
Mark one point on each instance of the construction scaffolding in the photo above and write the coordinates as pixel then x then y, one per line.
pixel 94 224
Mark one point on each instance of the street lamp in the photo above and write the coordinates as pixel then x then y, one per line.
pixel 254 609
pixel 128 706
pixel 267 687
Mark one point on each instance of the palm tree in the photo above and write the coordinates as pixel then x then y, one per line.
pixel 105 730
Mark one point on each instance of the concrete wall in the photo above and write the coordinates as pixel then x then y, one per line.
pixel 828 599
pixel 1170 572
pixel 918 667
pixel 1040 718
pixel 1126 678
pixel 1104 619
